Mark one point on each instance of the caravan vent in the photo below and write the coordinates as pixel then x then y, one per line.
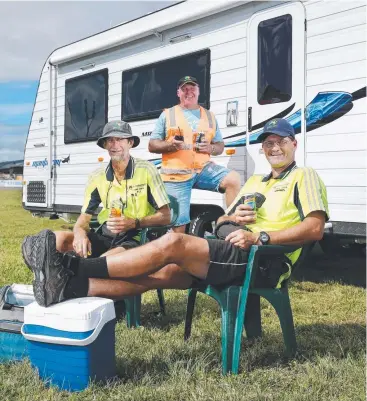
pixel 36 192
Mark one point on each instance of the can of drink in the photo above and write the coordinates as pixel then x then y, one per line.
pixel 199 137
pixel 116 208
pixel 250 200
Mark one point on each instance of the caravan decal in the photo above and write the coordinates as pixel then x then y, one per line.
pixel 324 108
pixel 40 163
pixel 56 162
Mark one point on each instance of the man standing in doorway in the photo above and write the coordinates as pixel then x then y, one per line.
pixel 187 135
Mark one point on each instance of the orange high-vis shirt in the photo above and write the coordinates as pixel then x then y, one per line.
pixel 181 165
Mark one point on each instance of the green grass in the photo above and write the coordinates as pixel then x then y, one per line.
pixel 154 363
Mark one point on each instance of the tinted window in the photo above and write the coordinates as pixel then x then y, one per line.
pixel 86 106
pixel 147 90
pixel 274 82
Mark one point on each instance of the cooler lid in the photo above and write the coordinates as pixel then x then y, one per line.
pixel 19 295
pixel 77 315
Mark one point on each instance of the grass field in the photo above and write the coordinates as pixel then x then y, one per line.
pixel 154 363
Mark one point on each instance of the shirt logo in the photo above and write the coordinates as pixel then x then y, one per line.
pixel 281 187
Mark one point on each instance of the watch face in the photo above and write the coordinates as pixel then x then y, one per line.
pixel 264 238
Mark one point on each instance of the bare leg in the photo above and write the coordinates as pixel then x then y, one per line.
pixel 179 229
pixel 170 276
pixel 189 252
pixel 231 183
pixel 64 241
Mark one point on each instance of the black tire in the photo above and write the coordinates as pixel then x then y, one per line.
pixel 198 226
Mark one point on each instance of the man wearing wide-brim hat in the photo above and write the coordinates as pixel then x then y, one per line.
pixel 132 195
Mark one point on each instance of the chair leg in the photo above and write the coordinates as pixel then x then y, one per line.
pixel 253 317
pixel 252 324
pixel 162 306
pixel 229 305
pixel 133 307
pixel 189 312
pixel 281 303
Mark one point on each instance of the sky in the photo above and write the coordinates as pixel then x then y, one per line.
pixel 29 32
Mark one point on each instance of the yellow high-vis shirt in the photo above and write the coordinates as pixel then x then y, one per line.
pixel 142 191
pixel 289 199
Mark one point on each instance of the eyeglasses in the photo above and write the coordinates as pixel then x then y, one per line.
pixel 113 139
pixel 281 143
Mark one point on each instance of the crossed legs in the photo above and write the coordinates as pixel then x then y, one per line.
pixel 64 243
pixel 168 262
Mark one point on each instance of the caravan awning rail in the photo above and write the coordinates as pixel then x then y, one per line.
pixel 142 27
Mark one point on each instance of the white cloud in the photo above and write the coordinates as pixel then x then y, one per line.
pixel 10 110
pixel 34 29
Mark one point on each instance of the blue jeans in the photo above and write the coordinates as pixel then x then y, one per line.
pixel 209 179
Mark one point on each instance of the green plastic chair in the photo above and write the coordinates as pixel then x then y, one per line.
pixel 133 303
pixel 240 307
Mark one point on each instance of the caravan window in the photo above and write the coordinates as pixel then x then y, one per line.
pixel 274 81
pixel 86 106
pixel 149 89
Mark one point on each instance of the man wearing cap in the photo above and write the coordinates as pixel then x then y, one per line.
pixel 135 183
pixel 293 213
pixel 186 158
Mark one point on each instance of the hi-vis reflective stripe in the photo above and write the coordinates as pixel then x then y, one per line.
pixel 172 117
pixel 210 118
pixel 284 276
pixel 177 171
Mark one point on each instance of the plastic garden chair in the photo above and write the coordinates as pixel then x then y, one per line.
pixel 240 307
pixel 133 303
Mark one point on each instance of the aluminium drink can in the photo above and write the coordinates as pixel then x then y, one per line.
pixel 199 137
pixel 249 199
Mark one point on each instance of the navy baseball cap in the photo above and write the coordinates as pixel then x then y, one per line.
pixel 187 80
pixel 277 126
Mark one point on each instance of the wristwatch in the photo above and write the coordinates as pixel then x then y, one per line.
pixel 264 238
pixel 137 224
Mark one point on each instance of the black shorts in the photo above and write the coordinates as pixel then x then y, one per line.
pixel 102 243
pixel 227 264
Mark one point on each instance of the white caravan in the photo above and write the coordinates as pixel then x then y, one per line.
pixel 304 61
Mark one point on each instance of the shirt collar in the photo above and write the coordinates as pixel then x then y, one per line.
pixel 128 174
pixel 282 175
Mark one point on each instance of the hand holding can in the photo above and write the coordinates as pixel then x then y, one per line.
pixel 199 138
pixel 250 200
pixel 245 212
pixel 116 209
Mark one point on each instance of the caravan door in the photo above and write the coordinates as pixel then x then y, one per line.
pixel 275 77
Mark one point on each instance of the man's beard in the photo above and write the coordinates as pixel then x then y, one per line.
pixel 118 158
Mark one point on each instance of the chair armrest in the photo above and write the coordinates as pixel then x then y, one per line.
pixel 154 229
pixel 256 251
pixel 94 224
pixel 273 249
pixel 157 229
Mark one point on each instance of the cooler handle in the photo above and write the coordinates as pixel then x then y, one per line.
pixel 66 341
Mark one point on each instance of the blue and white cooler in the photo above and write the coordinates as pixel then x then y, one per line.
pixel 72 342
pixel 13 299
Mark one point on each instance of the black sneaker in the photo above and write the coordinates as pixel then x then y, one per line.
pixel 50 276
